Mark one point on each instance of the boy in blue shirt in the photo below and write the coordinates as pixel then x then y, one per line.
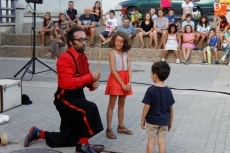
pixel 157 115
pixel 212 42
pixel 171 17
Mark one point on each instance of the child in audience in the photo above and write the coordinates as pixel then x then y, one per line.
pixel 187 6
pixel 46 27
pixel 63 24
pixel 136 18
pixel 220 29
pixel 212 42
pixel 227 38
pixel 111 26
pixel 188 21
pixel 146 29
pixel 172 42
pixel 153 15
pixel 171 17
pixel 187 43
pixel 203 29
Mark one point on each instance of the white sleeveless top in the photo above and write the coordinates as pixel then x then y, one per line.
pixel 121 62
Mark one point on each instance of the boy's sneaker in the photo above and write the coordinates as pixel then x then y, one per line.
pixel 229 63
pixel 216 62
pixel 186 62
pixel 177 61
pixel 33 134
pixel 204 62
pixel 163 59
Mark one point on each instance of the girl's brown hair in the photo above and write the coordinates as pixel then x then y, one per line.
pixel 59 20
pixel 44 22
pixel 94 8
pixel 224 19
pixel 126 41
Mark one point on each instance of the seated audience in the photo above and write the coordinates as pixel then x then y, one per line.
pixel 203 29
pixel 187 6
pixel 220 29
pixel 46 27
pixel 71 13
pixel 171 41
pixel 146 29
pixel 227 39
pixel 136 18
pixel 57 40
pixel 212 42
pixel 160 27
pixel 87 23
pixel 63 24
pixel 152 12
pixel 97 11
pixel 188 21
pixel 187 43
pixel 111 26
pixel 127 28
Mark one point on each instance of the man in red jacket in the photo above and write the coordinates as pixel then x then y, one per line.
pixel 80 119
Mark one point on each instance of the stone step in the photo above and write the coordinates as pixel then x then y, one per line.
pixel 150 55
pixel 26 39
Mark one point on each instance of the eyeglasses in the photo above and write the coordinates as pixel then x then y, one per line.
pixel 82 39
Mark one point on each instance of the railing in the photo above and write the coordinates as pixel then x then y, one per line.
pixel 7 12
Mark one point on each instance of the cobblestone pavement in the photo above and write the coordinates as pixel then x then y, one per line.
pixel 201 123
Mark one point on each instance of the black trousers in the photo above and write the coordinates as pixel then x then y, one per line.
pixel 79 119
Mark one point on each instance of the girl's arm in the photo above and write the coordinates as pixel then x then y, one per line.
pixel 151 30
pixel 192 39
pixel 155 25
pixel 226 29
pixel 129 68
pixel 46 27
pixel 113 69
pixel 67 27
pixel 208 41
pixel 141 28
pixel 166 25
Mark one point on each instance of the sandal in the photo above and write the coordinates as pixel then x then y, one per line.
pixel 150 46
pixel 142 47
pixel 123 129
pixel 110 134
pixel 156 47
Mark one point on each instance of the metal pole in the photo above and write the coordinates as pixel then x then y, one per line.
pixel 34 40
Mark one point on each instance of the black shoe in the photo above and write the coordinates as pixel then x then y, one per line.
pixel 33 134
pixel 88 149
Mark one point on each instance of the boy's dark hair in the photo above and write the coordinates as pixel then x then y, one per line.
pixel 188 15
pixel 170 26
pixel 112 11
pixel 213 29
pixel 171 10
pixel 161 69
pixel 127 43
pixel 136 9
pixel 55 22
pixel 70 35
pixel 125 18
pixel 188 25
pixel 71 2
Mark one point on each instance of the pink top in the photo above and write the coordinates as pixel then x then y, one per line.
pixel 166 3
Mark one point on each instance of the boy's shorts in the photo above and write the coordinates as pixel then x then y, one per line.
pixel 155 130
pixel 106 34
pixel 212 48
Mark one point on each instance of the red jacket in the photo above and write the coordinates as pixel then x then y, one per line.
pixel 66 71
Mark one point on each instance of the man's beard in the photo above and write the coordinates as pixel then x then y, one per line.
pixel 80 49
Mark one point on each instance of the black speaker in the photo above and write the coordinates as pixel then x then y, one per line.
pixel 35 1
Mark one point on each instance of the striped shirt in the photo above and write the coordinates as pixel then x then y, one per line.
pixel 128 30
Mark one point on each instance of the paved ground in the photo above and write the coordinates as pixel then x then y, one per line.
pixel 201 123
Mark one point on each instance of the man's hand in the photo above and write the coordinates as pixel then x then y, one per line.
pixel 169 126
pixel 96 84
pixel 143 124
pixel 96 75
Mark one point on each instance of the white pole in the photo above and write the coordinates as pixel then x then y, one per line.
pixel 19 15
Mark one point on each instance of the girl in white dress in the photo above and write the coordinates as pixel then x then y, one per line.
pixel 171 41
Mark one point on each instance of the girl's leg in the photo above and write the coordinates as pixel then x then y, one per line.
pixel 121 127
pixel 121 104
pixel 219 44
pixel 162 36
pixel 221 38
pixel 176 54
pixel 43 38
pixel 197 36
pixel 202 37
pixel 102 37
pixel 150 145
pixel 165 53
pixel 151 40
pixel 204 55
pixel 188 53
pixel 184 52
pixel 141 35
pixel 109 116
pixel 155 38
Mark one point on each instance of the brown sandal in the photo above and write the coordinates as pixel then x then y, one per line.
pixel 123 129
pixel 110 134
